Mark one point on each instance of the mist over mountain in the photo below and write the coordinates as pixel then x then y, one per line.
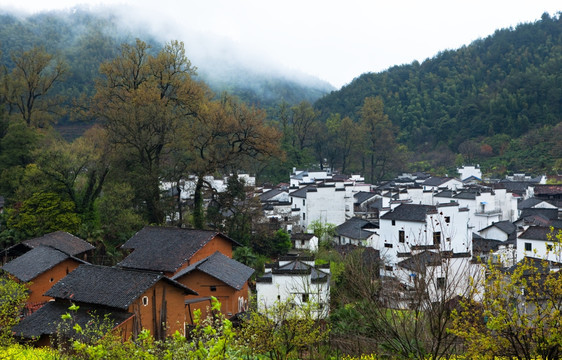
pixel 86 37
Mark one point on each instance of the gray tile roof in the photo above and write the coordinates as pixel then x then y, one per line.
pixel 35 262
pixel 362 196
pixel 221 267
pixel 468 195
pixel 419 262
pixel 165 248
pixel 270 194
pixel 436 181
pixel 301 193
pixel 410 212
pixel 551 214
pixel 62 241
pixel 536 233
pixel 354 228
pixel 108 286
pixel 529 203
pixel 506 226
pixel 45 320
pixel 296 267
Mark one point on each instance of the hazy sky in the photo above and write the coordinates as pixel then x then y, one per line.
pixel 333 40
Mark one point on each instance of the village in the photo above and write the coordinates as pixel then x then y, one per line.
pixel 445 229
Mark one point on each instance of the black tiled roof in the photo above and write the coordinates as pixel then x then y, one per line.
pixel 536 233
pixel 301 193
pixel 354 228
pixel 35 262
pixel 221 267
pixel 436 181
pixel 270 194
pixel 410 212
pixel 45 320
pixel 506 226
pixel 165 248
pixel 419 262
pixel 484 246
pixel 363 196
pixel 296 267
pixel 528 203
pixel 107 286
pixel 63 241
pixel 301 236
pixel 551 214
pixel 468 195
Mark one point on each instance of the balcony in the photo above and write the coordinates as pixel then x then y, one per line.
pixel 494 212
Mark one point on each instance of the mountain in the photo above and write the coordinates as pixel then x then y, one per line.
pixel 506 84
pixel 86 39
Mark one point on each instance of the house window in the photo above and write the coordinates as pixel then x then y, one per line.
pixel 388 268
pixel 286 218
pixel 441 283
pixel 304 297
pixel 528 247
pixel 549 247
pixel 448 219
pixel 303 216
pixel 437 238
pixel 145 300
pixel 302 242
pixel 213 288
pixel 393 222
pixel 51 280
pixel 388 245
pixel 401 236
pixel 303 202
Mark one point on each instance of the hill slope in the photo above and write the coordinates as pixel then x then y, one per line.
pixel 508 83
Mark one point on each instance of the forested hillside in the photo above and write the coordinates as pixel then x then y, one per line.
pixel 84 40
pixel 474 100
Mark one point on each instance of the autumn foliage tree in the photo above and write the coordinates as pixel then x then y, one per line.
pixel 144 100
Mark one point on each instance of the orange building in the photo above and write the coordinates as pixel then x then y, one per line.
pixel 218 276
pixel 136 300
pixel 41 268
pixel 192 257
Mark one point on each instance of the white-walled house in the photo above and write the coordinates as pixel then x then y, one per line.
pixel 436 183
pixel 501 230
pixel 539 242
pixel 324 203
pixel 413 227
pixel 470 171
pixel 306 177
pixel 357 231
pixel 304 241
pixel 297 280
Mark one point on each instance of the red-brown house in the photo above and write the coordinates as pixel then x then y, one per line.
pixel 188 256
pixel 135 300
pixel 41 268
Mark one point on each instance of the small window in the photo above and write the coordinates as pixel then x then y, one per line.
pixel 388 268
pixel 286 218
pixel 437 238
pixel 447 219
pixel 304 297
pixel 388 245
pixel 51 280
pixel 441 283
pixel 213 288
pixel 549 247
pixel 278 297
pixel 302 242
pixel 528 247
pixel 303 216
pixel 401 236
pixel 145 300
pixel 303 202
pixel 393 222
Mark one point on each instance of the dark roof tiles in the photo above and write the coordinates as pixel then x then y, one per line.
pixel 410 212
pixel 223 268
pixel 107 286
pixel 165 248
pixel 35 262
pixel 62 241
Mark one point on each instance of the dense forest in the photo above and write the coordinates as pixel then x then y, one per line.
pixel 497 101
